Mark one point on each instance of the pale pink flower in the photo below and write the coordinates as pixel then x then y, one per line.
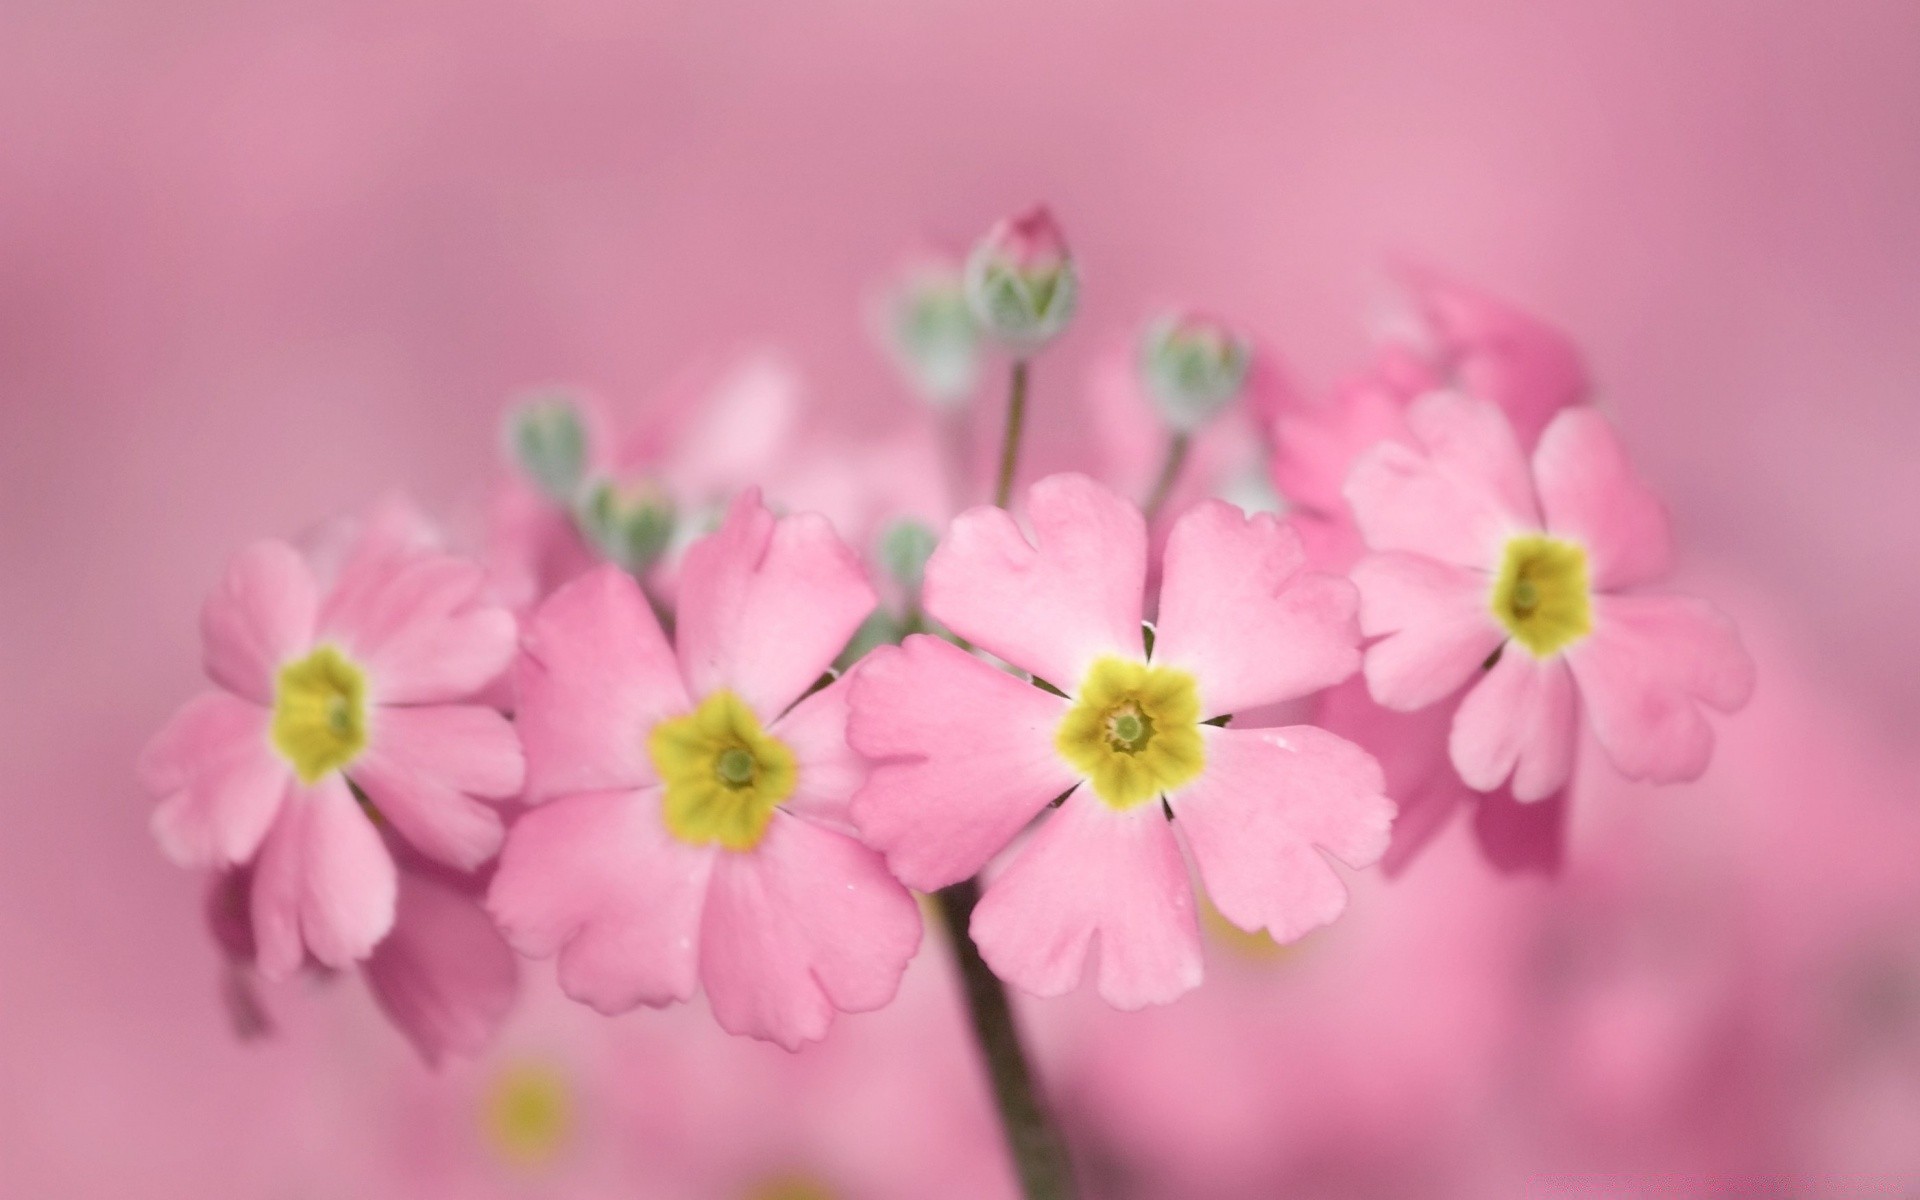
pixel 320 697
pixel 966 755
pixel 690 820
pixel 1525 577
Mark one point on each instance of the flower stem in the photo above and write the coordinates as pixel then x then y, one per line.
pixel 1176 458
pixel 1010 441
pixel 1039 1155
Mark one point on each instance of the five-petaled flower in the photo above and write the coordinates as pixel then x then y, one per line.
pixel 965 755
pixel 334 714
pixel 690 822
pixel 1521 579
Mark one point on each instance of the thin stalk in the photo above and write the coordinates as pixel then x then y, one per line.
pixel 1039 1155
pixel 1177 447
pixel 1010 441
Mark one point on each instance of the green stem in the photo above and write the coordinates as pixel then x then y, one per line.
pixel 1039 1155
pixel 1010 441
pixel 1177 448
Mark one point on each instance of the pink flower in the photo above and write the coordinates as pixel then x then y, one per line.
pixel 691 820
pixel 334 712
pixel 1526 577
pixel 1021 281
pixel 966 755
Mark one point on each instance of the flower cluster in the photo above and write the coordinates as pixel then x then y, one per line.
pixel 720 689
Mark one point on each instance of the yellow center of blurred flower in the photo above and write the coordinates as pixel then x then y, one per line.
pixel 1541 593
pixel 1134 731
pixel 527 1113
pixel 723 773
pixel 791 1187
pixel 320 713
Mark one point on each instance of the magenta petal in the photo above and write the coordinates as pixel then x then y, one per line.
pixel 1054 605
pixel 324 881
pixel 1518 836
pixel 1589 492
pixel 962 755
pixel 807 922
pixel 598 879
pixel 1094 872
pixel 1646 670
pixel 422 624
pixel 1241 613
pixel 766 604
pixel 830 771
pixel 1435 623
pixel 1457 498
pixel 261 615
pixel 219 779
pixel 444 975
pixel 424 769
pixel 1519 721
pixel 594 676
pixel 1259 817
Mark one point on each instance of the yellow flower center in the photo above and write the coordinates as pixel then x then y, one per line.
pixel 527 1113
pixel 791 1187
pixel 723 773
pixel 1541 593
pixel 1134 731
pixel 320 713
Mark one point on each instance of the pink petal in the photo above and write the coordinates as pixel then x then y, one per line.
pixel 1520 720
pixel 1589 493
pixel 595 675
pixel 423 769
pixel 422 624
pixel 1457 498
pixel 261 615
pixel 1411 748
pixel 1054 609
pixel 1435 623
pixel 1094 872
pixel 1259 817
pixel 765 605
pixel 1517 836
pixel 219 779
pixel 1316 445
pixel 1644 672
pixel 1241 613
pixel 324 881
pixel 830 771
pixel 807 922
pixel 962 754
pixel 444 975
pixel 598 879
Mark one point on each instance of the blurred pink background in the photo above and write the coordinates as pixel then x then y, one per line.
pixel 259 264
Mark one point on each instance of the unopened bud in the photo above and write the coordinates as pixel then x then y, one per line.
pixel 630 524
pixel 1193 367
pixel 547 439
pixel 904 550
pixel 1021 281
pixel 929 331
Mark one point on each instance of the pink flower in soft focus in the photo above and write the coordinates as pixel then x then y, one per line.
pixel 321 697
pixel 1021 281
pixel 691 811
pixel 1482 566
pixel 965 755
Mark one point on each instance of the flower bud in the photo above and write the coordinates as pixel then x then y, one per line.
pixel 547 439
pixel 1193 366
pixel 929 331
pixel 630 524
pixel 905 548
pixel 1021 281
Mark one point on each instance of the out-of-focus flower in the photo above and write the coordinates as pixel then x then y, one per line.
pixel 928 329
pixel 1194 366
pixel 1482 566
pixel 690 809
pixel 630 524
pixel 965 755
pixel 335 713
pixel 548 439
pixel 1021 281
